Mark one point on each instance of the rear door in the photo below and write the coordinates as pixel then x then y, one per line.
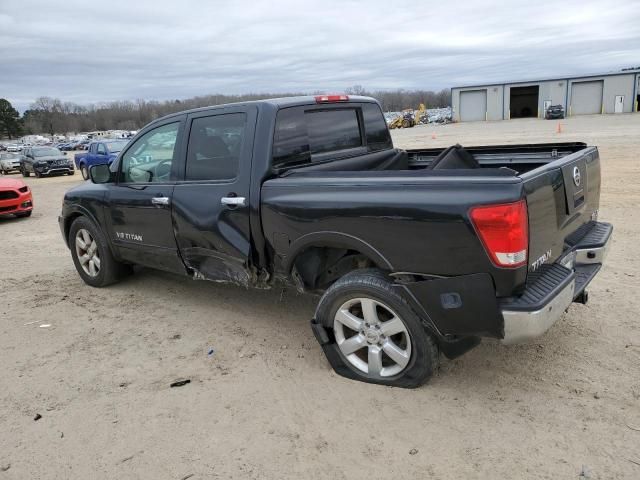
pixel 140 201
pixel 211 200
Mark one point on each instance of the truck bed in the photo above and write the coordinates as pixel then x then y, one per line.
pixel 428 209
pixel 521 158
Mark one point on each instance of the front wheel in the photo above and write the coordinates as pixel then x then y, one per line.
pixel 377 337
pixel 92 256
pixel 84 171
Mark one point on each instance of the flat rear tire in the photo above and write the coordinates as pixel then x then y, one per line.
pixel 374 334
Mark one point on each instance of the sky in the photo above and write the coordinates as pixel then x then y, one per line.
pixel 91 52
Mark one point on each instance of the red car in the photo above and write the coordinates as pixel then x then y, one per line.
pixel 15 198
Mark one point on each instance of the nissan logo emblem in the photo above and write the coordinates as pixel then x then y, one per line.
pixel 576 176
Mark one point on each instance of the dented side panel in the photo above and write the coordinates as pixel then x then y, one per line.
pixel 214 235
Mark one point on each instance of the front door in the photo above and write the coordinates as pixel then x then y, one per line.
pixel 141 199
pixel 211 202
pixel 619 105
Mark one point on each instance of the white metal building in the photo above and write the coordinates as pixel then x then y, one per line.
pixel 617 92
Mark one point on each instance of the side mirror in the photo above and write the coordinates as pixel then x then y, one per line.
pixel 100 173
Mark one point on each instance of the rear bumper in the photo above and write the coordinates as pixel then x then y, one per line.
pixel 554 289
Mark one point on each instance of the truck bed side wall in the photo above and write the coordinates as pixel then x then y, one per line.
pixel 415 224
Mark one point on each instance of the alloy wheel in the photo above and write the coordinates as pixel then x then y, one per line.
pixel 372 337
pixel 87 252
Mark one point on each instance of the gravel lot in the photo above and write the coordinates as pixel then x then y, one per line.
pixel 266 404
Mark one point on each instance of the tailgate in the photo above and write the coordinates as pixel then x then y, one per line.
pixel 562 196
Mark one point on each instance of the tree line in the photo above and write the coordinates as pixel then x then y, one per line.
pixel 52 115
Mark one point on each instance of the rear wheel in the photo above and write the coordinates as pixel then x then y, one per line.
pixel 37 174
pixel 24 172
pixel 91 255
pixel 377 337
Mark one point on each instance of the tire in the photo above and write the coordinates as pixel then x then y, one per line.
pixel 109 270
pixel 406 124
pixel 362 354
pixel 37 174
pixel 24 172
pixel 84 171
pixel 71 172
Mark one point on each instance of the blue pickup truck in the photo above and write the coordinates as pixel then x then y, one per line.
pixel 99 152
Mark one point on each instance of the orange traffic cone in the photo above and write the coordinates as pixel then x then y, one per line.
pixel 559 129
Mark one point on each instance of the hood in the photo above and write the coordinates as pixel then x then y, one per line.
pixel 11 184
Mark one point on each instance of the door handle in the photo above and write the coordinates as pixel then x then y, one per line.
pixel 160 201
pixel 232 201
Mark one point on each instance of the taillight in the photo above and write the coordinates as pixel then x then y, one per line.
pixel 504 231
pixel 331 98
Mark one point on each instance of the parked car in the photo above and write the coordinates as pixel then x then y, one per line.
pixel 14 147
pixel 45 161
pixel 68 146
pixel 9 162
pixel 554 112
pixel 15 198
pixel 414 252
pixel 99 152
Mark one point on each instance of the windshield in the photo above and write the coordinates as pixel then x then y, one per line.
pixel 46 152
pixel 115 147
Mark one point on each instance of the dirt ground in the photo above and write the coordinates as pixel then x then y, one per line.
pixel 266 405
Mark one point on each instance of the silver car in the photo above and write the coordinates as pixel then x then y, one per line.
pixel 9 162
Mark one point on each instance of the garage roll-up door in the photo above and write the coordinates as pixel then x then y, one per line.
pixel 473 105
pixel 586 97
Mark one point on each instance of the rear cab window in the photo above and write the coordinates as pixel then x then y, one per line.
pixel 310 134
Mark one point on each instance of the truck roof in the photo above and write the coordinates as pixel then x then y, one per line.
pixel 282 102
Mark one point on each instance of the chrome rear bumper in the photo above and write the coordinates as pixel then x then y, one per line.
pixel 522 325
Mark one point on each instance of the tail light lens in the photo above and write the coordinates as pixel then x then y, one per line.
pixel 504 231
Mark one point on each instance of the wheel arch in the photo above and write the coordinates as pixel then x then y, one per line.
pixel 318 259
pixel 76 212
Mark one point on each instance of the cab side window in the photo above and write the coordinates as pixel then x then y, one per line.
pixel 215 145
pixel 149 159
pixel 101 149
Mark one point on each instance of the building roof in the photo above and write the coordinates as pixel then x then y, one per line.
pixel 552 79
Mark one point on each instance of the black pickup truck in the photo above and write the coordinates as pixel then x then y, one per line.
pixel 414 252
